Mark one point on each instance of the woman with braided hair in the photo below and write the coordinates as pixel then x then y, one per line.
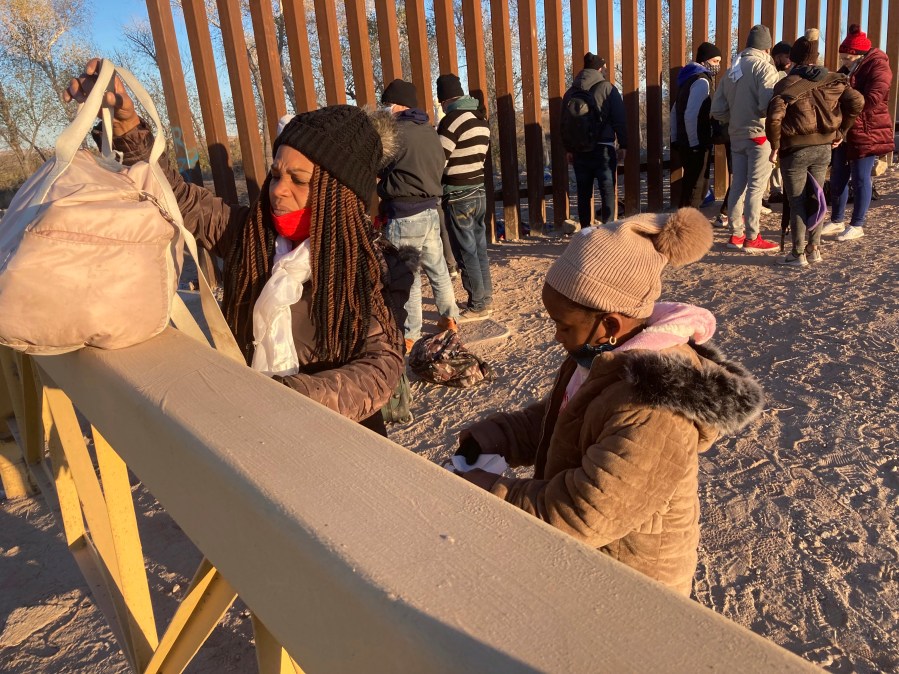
pixel 304 274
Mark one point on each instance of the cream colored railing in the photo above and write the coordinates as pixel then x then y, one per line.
pixel 357 555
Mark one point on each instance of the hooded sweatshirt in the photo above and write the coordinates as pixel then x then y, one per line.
pixel 690 120
pixel 610 104
pixel 411 183
pixel 741 100
pixel 465 136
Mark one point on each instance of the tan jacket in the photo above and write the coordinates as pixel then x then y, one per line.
pixel 618 467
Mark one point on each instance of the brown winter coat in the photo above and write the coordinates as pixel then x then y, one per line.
pixel 806 111
pixel 618 467
pixel 356 389
pixel 873 131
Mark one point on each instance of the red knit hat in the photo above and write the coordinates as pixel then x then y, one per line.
pixel 856 42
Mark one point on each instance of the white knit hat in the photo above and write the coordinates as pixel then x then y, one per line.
pixel 618 266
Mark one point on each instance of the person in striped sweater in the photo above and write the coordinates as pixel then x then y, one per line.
pixel 465 136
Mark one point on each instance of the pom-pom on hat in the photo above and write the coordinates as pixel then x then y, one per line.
pixel 805 49
pixel 594 61
pixel 348 142
pixel 856 41
pixel 618 266
pixel 706 51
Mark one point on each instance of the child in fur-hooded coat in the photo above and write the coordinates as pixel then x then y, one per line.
pixel 615 447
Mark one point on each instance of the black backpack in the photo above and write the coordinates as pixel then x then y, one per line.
pixel 582 119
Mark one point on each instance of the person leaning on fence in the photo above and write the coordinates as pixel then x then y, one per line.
pixel 741 102
pixel 872 135
pixel 691 123
pixel 465 136
pixel 589 132
pixel 811 112
pixel 306 244
pixel 410 189
pixel 615 446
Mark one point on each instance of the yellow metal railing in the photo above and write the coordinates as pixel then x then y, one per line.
pixel 353 553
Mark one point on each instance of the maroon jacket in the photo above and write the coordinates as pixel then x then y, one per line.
pixel 872 133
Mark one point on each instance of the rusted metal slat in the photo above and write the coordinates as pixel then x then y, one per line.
pixel 580 37
pixel 360 52
pixel 654 104
pixel 555 71
pixel 892 52
pixel 163 28
pixel 235 47
pixel 388 40
pixel 700 23
pixel 855 12
pixel 630 76
pixel 447 56
pixel 812 14
pixel 269 64
pixel 533 123
pixel 747 14
pixel 605 34
pixel 875 23
pixel 300 56
pixel 769 18
pixel 505 114
pixel 723 21
pixel 791 20
pixel 197 23
pixel 329 46
pixel 473 25
pixel 417 29
pixel 677 49
pixel 832 40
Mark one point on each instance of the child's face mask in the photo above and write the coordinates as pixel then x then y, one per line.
pixel 585 355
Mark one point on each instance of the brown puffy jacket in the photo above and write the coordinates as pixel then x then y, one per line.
pixel 873 132
pixel 356 389
pixel 618 467
pixel 811 107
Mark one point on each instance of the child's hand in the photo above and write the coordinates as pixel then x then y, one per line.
pixel 469 448
pixel 481 478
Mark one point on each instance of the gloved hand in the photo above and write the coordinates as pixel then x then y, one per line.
pixel 469 448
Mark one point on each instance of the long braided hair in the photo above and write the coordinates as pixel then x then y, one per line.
pixel 347 271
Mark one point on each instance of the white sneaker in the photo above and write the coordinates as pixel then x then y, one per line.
pixel 721 222
pixel 833 228
pixel 851 233
pixel 766 210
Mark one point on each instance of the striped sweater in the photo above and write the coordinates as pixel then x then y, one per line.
pixel 465 136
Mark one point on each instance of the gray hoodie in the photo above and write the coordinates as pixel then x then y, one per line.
pixel 741 100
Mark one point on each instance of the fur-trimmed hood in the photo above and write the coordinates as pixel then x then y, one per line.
pixel 719 393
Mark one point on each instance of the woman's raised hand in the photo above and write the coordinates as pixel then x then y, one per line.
pixel 124 117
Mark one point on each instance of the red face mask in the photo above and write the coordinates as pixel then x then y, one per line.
pixel 294 226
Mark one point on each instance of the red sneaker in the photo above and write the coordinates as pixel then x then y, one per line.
pixel 736 242
pixel 759 245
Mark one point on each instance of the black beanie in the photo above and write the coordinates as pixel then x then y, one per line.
pixel 343 141
pixel 706 51
pixel 782 47
pixel 593 61
pixel 449 86
pixel 400 92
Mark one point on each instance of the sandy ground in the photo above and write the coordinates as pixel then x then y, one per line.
pixel 799 539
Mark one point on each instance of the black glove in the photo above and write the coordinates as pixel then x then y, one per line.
pixel 470 449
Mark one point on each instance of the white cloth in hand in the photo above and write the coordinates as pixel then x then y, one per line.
pixel 492 463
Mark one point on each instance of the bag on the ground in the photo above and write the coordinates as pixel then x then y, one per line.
pixel 91 250
pixel 581 121
pixel 442 359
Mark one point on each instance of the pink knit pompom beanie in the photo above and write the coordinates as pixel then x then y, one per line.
pixel 618 266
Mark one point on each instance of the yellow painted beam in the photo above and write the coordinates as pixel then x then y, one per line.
pixel 129 552
pixel 32 401
pixel 13 473
pixel 208 597
pixel 13 388
pixel 270 656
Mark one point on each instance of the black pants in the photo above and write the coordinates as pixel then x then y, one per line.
pixel 695 183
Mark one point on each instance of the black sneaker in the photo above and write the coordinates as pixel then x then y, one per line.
pixel 468 315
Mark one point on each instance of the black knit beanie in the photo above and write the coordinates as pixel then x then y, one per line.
pixel 449 86
pixel 706 51
pixel 782 47
pixel 343 141
pixel 593 61
pixel 400 92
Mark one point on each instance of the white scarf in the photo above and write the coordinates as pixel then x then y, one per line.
pixel 275 351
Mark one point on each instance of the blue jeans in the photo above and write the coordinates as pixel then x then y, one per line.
pixel 590 167
pixel 422 232
pixel 466 212
pixel 840 171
